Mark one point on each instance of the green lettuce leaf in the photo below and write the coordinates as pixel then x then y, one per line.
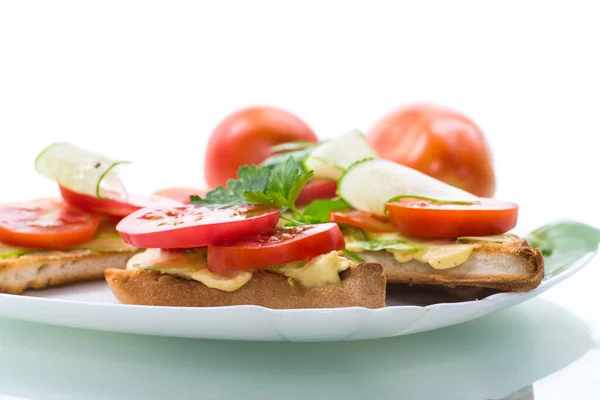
pixel 318 211
pixel 384 244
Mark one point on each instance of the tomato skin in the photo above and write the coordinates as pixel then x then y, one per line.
pixel 317 189
pixel 112 208
pixel 181 194
pixel 422 218
pixel 292 244
pixel 438 142
pixel 246 137
pixel 189 226
pixel 96 205
pixel 46 224
pixel 363 220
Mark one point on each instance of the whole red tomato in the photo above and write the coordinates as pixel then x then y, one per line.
pixel 246 137
pixel 438 142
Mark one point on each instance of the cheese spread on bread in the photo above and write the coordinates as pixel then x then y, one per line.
pixel 192 264
pixel 320 270
pixel 439 254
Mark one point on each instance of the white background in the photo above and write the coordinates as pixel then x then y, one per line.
pixel 148 81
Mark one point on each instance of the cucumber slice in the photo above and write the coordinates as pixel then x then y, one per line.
pixel 330 159
pixel 370 184
pixel 505 238
pixel 82 171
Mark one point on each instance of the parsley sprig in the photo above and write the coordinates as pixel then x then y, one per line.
pixel 277 182
pixel 276 185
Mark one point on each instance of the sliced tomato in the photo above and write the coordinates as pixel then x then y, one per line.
pixel 364 220
pixel 46 224
pixel 181 194
pixel 283 246
pixel 186 227
pixel 113 208
pixel 317 189
pixel 423 218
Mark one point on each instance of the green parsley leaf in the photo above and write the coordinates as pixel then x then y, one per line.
pixel 272 199
pixel 250 179
pixel 318 211
pixel 284 184
pixel 276 185
pixel 302 180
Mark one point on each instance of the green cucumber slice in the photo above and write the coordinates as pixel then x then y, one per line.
pixel 82 171
pixel 369 185
pixel 505 238
pixel 330 159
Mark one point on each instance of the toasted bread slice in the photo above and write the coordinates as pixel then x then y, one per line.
pixel 39 270
pixel 362 286
pixel 510 267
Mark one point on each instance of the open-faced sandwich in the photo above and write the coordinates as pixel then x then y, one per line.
pixel 50 242
pixel 249 242
pixel 229 249
pixel 422 231
pixel 46 243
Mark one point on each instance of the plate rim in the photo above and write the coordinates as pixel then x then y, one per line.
pixel 579 264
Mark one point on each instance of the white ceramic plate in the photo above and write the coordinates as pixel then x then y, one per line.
pixel 92 306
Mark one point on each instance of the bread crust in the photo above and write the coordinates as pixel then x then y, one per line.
pixel 362 286
pixel 40 270
pixel 510 267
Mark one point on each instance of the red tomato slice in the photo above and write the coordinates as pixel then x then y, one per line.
pixel 46 224
pixel 284 246
pixel 181 194
pixel 113 208
pixel 317 189
pixel 364 220
pixel 191 226
pixel 423 218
